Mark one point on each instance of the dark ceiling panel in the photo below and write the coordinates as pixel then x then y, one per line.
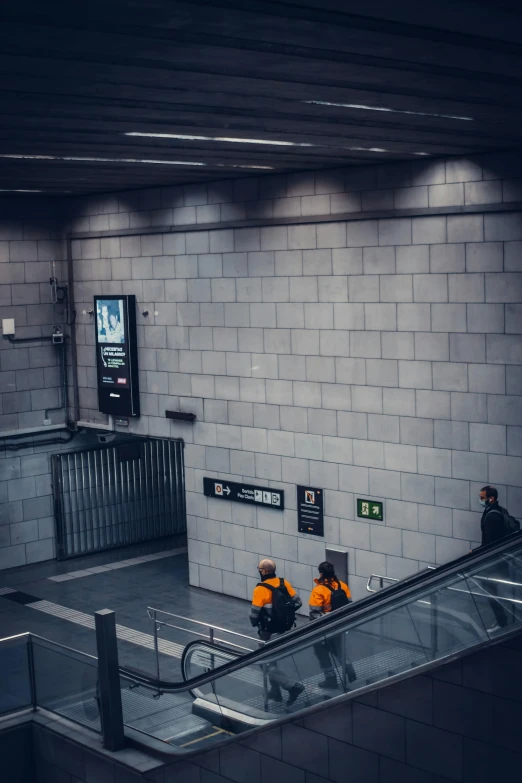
pixel 72 84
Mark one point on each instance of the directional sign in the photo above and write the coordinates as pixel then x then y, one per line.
pixel 310 511
pixel 244 493
pixel 370 509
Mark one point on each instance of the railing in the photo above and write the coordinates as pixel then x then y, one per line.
pixel 389 580
pixel 156 614
pixel 36 672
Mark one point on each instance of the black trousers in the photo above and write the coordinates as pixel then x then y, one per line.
pixel 502 571
pixel 276 677
pixel 328 653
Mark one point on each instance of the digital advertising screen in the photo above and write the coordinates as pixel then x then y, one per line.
pixel 116 355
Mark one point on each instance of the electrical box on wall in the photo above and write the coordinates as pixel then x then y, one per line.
pixel 117 355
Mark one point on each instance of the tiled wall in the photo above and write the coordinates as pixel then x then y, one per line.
pixel 372 356
pixel 29 373
pixel 376 357
pixel 27 533
pixel 29 376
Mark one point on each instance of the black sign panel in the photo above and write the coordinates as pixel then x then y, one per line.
pixel 310 516
pixel 244 493
pixel 117 355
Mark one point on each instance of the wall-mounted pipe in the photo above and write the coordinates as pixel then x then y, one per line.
pixel 42 339
pixel 72 327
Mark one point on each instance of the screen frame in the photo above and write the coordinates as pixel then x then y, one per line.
pixel 126 401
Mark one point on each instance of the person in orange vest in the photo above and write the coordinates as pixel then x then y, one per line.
pixel 274 604
pixel 328 595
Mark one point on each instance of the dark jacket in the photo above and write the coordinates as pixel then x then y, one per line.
pixel 492 524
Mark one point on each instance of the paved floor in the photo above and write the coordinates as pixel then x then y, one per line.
pixel 62 610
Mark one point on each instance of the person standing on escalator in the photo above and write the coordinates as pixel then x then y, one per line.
pixel 328 595
pixel 495 523
pixel 274 604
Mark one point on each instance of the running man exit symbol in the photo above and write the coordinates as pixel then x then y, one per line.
pixel 370 509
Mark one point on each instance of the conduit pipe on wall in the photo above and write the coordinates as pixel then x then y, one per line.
pixel 72 327
pixel 45 442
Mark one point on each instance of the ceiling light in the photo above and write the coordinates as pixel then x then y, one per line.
pixel 239 166
pixel 387 109
pixel 18 190
pixel 82 159
pixel 228 139
pixel 31 157
pixel 421 153
pixel 105 160
pixel 138 160
pixel 366 149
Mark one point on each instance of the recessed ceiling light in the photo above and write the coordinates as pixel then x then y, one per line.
pixel 19 190
pixel 256 141
pixel 387 109
pixel 239 166
pixel 82 159
pixel 137 160
pixel 366 149
pixel 31 157
pixel 228 139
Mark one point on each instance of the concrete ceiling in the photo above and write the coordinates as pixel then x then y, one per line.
pixel 75 78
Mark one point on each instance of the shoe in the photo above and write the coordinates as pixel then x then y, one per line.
pixel 293 693
pixel 275 694
pixel 329 683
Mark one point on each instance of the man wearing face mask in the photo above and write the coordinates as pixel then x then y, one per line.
pixel 492 525
pixel 274 604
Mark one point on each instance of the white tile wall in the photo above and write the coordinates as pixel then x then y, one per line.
pixel 371 357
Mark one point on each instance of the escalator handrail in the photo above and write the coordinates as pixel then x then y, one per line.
pixel 330 622
pixel 217 648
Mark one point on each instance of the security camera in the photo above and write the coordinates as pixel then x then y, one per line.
pixel 106 437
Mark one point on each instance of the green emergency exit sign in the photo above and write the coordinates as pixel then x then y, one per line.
pixel 370 509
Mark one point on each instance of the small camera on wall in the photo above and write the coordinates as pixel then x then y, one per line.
pixel 106 437
pixel 57 335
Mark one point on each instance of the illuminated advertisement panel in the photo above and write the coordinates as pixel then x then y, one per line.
pixel 117 355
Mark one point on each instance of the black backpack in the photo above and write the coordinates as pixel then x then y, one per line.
pixel 339 597
pixel 511 524
pixel 282 617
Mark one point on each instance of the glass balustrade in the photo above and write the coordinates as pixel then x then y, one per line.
pixel 15 690
pixel 407 628
pixel 66 682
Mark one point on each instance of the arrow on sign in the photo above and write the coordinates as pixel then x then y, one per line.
pixel 227 490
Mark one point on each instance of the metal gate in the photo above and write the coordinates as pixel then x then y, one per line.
pixel 112 495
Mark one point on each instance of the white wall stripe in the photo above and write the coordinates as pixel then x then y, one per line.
pixel 125 634
pixel 118 564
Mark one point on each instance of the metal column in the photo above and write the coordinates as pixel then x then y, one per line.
pixel 111 712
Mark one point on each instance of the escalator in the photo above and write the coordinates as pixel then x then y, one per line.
pixel 407 628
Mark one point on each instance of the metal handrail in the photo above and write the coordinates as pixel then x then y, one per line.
pixel 392 580
pixel 210 626
pixel 211 638
pixel 30 636
pixel 382 580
